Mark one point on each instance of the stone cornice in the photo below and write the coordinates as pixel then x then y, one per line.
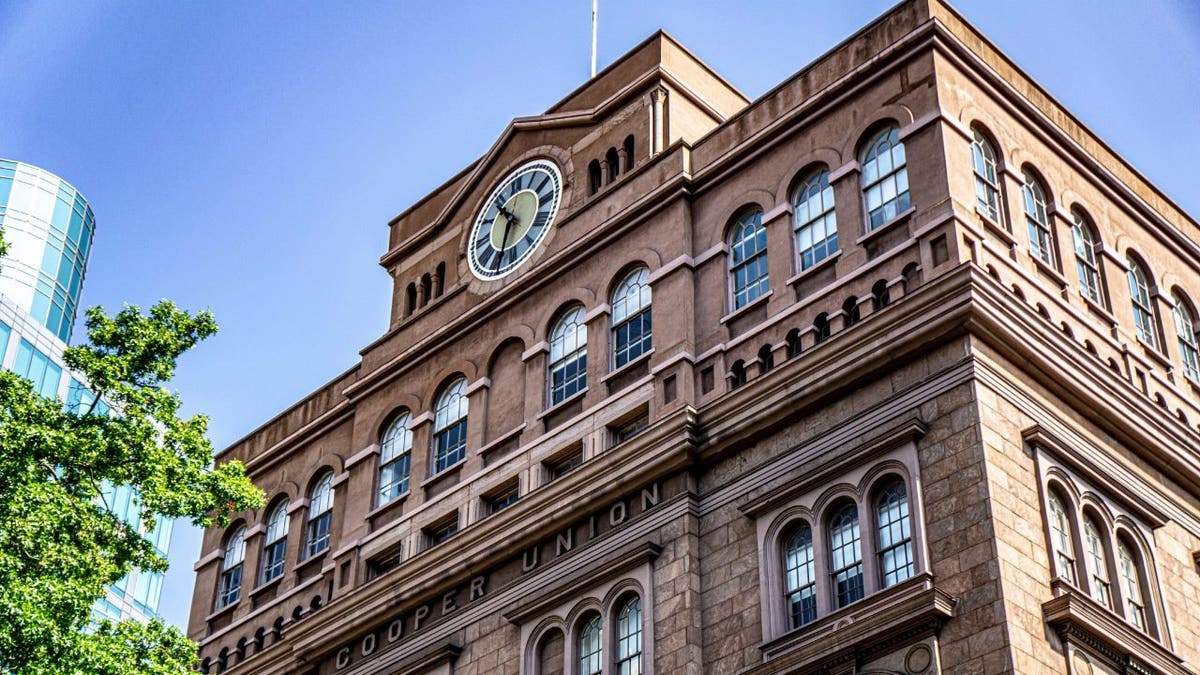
pixel 902 613
pixel 1077 618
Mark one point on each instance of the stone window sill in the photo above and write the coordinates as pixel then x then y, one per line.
pixel 312 560
pixel 453 468
pixel 760 300
pixel 901 217
pixel 258 590
pixel 227 609
pixel 1155 355
pixel 501 439
pixel 562 404
pixel 389 505
pixel 807 272
pixel 645 356
pixel 1099 310
pixel 1079 619
pixel 994 228
pixel 910 606
pixel 1048 270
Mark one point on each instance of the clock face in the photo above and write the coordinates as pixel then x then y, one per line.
pixel 514 220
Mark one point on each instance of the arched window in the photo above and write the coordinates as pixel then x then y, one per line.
pixel 1185 329
pixel 815 219
pixel 748 259
pixel 884 177
pixel 275 543
pixel 895 533
pixel 450 426
pixel 614 164
pixel 850 311
pixel 426 289
pixel 629 637
pixel 594 176
pixel 591 649
pixel 845 555
pixel 1143 311
pixel 395 458
pixel 568 356
pixel 1088 269
pixel 410 302
pixel 1061 538
pixel 800 574
pixel 793 342
pixel 320 516
pixel 629 154
pixel 439 280
pixel 231 569
pixel 766 358
pixel 821 326
pixel 631 317
pixel 880 296
pixel 1097 561
pixel 1131 584
pixel 987 184
pixel 550 653
pixel 738 373
pixel 1037 219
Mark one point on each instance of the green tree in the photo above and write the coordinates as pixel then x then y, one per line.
pixel 59 545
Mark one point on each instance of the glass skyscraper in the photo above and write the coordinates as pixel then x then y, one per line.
pixel 48 227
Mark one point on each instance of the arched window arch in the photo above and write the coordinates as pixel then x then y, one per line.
pixel 614 164
pixel 1037 219
pixel 850 311
pixel 231 568
pixel 800 577
pixel 1097 556
pixel 631 329
pixel 737 373
pixel 395 458
pixel 275 542
pixel 815 219
pixel 550 652
pixel 426 289
pixel 410 299
pixel 450 426
pixel 987 182
pixel 821 326
pixel 629 637
pixel 595 177
pixel 439 280
pixel 845 554
pixel 629 152
pixel 1144 318
pixel 884 177
pixel 894 530
pixel 1185 330
pixel 1061 537
pixel 1083 235
pixel 880 295
pixel 568 356
pixel 320 516
pixel 591 645
pixel 766 358
pixel 1129 564
pixel 793 342
pixel 748 259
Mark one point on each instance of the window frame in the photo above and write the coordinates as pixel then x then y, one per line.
pixel 747 227
pixel 826 217
pixel 622 641
pixel 595 664
pixel 1037 206
pixel 1184 317
pixel 871 176
pixel 985 159
pixel 1141 298
pixel 318 524
pixel 274 553
pixel 449 437
pixel 806 581
pixel 904 522
pixel 855 581
pixel 625 350
pixel 230 578
pixel 1085 241
pixel 398 430
pixel 569 329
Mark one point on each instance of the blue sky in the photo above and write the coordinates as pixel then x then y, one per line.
pixel 246 157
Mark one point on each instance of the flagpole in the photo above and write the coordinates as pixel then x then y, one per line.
pixel 594 3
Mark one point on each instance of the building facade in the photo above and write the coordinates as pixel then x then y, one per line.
pixel 48 227
pixel 892 370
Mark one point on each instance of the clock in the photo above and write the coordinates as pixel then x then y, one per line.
pixel 514 220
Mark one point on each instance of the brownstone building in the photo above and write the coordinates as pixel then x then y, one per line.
pixel 892 370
